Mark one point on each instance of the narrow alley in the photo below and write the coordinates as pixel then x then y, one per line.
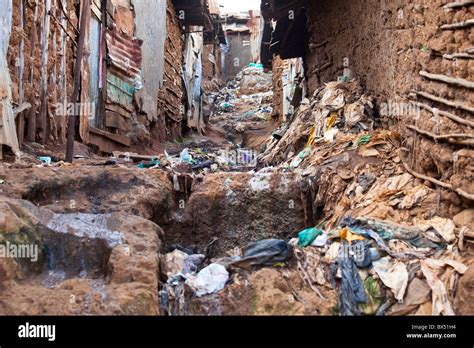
pixel 189 157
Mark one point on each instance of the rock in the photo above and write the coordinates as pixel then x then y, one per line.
pixel 465 218
pixel 240 208
pixel 99 264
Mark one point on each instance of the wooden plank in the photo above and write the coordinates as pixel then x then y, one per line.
pixel 118 138
pixel 115 120
pixel 105 144
pixel 119 110
pixel 134 156
pixel 112 119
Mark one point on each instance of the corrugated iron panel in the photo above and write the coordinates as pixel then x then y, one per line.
pixel 125 53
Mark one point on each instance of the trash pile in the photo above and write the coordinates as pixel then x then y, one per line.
pixel 393 247
pixel 383 268
pixel 245 102
pixel 252 80
pixel 336 109
pixel 375 267
pixel 199 275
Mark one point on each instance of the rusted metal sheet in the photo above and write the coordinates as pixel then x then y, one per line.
pixel 8 134
pixel 125 54
pixel 256 25
pixel 193 78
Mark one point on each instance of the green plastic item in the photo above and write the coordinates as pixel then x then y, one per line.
pixel 364 140
pixel 154 162
pixel 308 236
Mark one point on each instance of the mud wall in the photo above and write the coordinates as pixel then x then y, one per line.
pixel 277 88
pixel 25 62
pixel 388 44
pixel 171 96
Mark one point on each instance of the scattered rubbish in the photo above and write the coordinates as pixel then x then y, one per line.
pixel 418 292
pixel 361 251
pixel 173 263
pixel 320 240
pixel 307 237
pixel 440 300
pixel 387 231
pixel 352 292
pixel 153 163
pixel 393 274
pixel 375 296
pixel 192 264
pixel 266 252
pixel 209 280
pixel 45 160
pixel 364 140
pixel 333 252
pixel 185 156
pixel 349 236
pixel 445 227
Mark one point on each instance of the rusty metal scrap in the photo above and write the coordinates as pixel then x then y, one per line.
pixel 124 53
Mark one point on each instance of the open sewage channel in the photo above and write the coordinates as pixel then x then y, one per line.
pixel 328 222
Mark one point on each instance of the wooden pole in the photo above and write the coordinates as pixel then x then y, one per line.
pixel 32 115
pixel 71 131
pixel 21 69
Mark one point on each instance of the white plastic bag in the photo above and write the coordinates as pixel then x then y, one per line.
pixel 209 280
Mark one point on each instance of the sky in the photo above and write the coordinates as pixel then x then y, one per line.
pixel 239 5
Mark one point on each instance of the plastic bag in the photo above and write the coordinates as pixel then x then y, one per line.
pixel 308 236
pixel 209 280
pixel 266 252
pixel 352 291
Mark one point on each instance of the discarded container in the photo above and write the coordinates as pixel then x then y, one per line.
pixel 185 156
pixel 45 160
pixel 209 280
